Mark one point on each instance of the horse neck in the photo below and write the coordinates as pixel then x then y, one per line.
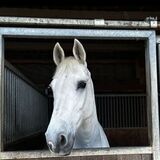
pixel 90 134
pixel 90 105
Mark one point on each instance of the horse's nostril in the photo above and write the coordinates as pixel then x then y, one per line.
pixel 63 140
pixel 50 145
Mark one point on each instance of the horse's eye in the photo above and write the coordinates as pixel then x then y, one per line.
pixel 81 84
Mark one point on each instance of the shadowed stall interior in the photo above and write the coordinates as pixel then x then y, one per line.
pixel 118 72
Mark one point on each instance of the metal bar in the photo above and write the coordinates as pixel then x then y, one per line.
pixel 136 112
pixel 122 111
pixel 101 23
pixel 105 109
pixel 122 95
pixel 72 33
pixel 5 104
pixel 108 114
pixel 23 106
pixel 152 94
pixel 1 93
pixel 158 64
pixel 129 111
pixel 19 74
pixel 148 92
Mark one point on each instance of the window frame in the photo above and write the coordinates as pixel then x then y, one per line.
pixel 151 80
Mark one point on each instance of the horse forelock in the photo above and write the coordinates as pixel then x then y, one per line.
pixel 69 64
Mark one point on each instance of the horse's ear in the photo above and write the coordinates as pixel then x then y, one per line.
pixel 79 52
pixel 58 54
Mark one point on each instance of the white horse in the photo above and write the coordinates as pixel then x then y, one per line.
pixel 74 122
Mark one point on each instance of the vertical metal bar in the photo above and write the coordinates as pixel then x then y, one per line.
pixel 152 95
pixel 12 108
pixel 119 106
pixel 1 93
pixel 111 112
pixel 123 111
pixel 102 111
pixel 131 111
pixel 116 111
pixel 135 111
pixel 126 110
pixel 129 104
pixel 16 104
pixel 5 104
pixel 105 105
pixel 108 110
pixel 145 110
pixel 144 107
pixel 140 111
pixel 108 114
pixel 129 117
pixel 7 114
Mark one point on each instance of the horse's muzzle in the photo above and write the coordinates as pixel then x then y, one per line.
pixel 61 144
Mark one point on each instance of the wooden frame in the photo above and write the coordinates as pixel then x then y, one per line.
pixel 151 81
pixel 101 23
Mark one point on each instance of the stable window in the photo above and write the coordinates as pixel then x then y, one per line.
pixel 123 68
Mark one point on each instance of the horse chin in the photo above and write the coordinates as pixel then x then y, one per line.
pixel 64 153
pixel 61 152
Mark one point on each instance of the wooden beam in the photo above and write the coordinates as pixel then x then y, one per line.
pixel 92 62
pixel 83 13
pixel 89 46
pixel 77 153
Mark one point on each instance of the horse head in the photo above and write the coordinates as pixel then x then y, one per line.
pixel 74 114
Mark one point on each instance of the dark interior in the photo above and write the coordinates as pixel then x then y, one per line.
pixel 117 68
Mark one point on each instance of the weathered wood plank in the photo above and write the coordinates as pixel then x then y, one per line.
pixel 129 157
pixel 113 151
pixel 108 157
pixel 147 157
pixel 113 157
